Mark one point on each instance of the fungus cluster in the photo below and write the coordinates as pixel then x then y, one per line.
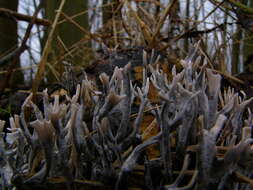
pixel 94 140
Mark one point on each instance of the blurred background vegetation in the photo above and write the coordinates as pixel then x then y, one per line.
pixel 36 44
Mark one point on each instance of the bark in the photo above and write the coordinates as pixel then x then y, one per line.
pixel 236 50
pixel 248 46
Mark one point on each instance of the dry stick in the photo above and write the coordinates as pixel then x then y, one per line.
pixel 70 51
pixel 149 128
pixel 162 20
pixel 242 178
pixel 203 52
pixel 219 72
pixel 242 7
pixel 115 31
pixel 62 44
pixel 84 12
pixel 41 66
pixel 147 110
pixel 157 3
pixel 10 13
pixel 69 19
pixel 6 58
pixel 95 37
pixel 54 71
pixel 72 17
pixel 186 33
pixel 224 8
pixel 195 33
pixel 20 50
pixel 13 52
pixel 64 47
pixel 18 69
pixel 230 77
pixel 125 26
pixel 52 66
pixel 40 34
pixel 92 36
pixel 149 16
pixel 146 32
pixel 118 9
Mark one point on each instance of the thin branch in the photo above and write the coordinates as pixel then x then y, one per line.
pixel 7 13
pixel 42 64
pixel 21 49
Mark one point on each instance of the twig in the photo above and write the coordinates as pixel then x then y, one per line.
pixel 41 66
pixel 146 32
pixel 242 178
pixel 86 32
pixel 162 19
pixel 242 7
pixel 193 33
pixel 21 49
pixel 10 13
pixel 4 60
